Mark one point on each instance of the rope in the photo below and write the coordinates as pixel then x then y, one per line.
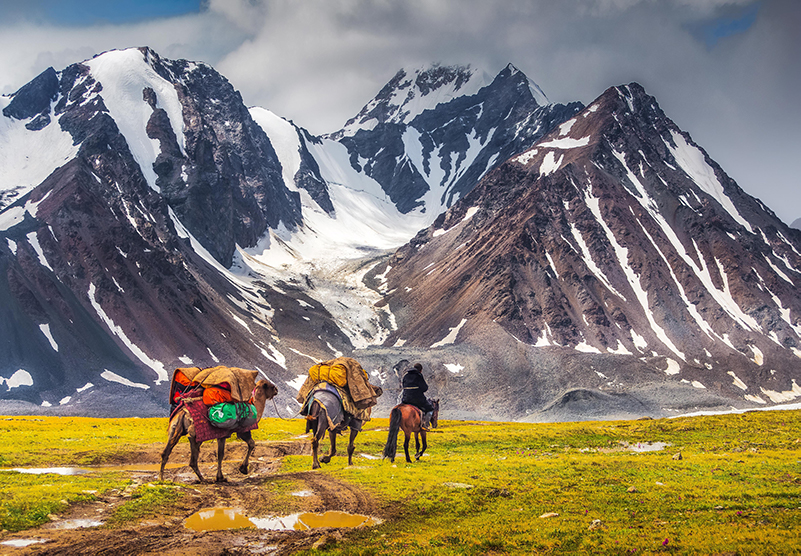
pixel 279 414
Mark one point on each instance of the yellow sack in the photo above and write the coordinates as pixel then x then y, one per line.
pixel 336 374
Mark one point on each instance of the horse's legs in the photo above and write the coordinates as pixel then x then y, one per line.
pixel 425 445
pixel 407 438
pixel 194 450
pixel 351 447
pixel 416 444
pixel 248 438
pixel 333 451
pixel 220 455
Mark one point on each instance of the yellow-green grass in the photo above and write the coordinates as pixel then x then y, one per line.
pixel 26 500
pixel 46 441
pixel 737 488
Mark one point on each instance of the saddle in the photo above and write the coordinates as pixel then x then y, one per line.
pixel 330 397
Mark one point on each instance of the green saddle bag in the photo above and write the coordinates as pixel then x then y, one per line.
pixel 232 415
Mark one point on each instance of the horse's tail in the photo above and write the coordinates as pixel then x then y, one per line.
pixel 392 438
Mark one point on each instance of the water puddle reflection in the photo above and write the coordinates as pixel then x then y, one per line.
pixel 53 470
pixel 624 446
pixel 647 446
pixel 142 467
pixel 217 519
pixel 75 524
pixel 303 493
pixel 21 543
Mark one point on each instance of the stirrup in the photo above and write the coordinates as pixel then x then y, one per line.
pixel 425 421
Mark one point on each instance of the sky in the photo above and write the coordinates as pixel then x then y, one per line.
pixel 726 71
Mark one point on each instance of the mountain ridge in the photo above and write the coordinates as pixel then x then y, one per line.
pixel 169 225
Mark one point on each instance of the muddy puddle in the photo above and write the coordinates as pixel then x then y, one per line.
pixel 646 446
pixel 75 524
pixel 637 447
pixel 21 543
pixel 140 467
pixel 52 470
pixel 218 519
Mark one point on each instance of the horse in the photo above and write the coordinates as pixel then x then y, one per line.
pixel 409 418
pixel 182 424
pixel 317 421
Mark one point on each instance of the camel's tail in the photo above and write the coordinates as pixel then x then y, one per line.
pixel 392 438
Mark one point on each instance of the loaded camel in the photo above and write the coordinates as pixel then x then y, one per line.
pixel 182 424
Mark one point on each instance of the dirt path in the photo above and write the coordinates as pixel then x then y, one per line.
pixel 166 534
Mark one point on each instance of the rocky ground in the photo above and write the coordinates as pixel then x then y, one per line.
pixel 167 535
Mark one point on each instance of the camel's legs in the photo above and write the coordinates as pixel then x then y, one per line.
pixel 247 437
pixel 173 438
pixel 351 447
pixel 318 434
pixel 194 450
pixel 333 450
pixel 220 455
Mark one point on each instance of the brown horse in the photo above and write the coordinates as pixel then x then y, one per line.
pixel 182 424
pixel 409 418
pixel 317 422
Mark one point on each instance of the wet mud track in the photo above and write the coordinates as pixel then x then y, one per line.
pixel 165 534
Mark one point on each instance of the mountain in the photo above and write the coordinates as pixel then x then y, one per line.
pixel 796 224
pixel 150 220
pixel 543 261
pixel 611 269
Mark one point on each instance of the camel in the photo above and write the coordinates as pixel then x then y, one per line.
pixel 182 424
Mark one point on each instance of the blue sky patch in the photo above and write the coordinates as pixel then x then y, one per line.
pixel 734 23
pixel 90 12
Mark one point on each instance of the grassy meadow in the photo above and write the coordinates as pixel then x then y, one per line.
pixel 486 487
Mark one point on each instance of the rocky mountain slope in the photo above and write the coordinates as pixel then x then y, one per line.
pixel 150 220
pixel 611 267
pixel 573 262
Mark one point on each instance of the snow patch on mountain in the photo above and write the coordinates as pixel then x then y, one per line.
pixel 114 377
pixel 451 337
pixel 28 157
pixel 157 366
pixel 19 378
pixel 124 74
pixel 285 141
pixel 33 241
pixel 693 162
pixel 45 328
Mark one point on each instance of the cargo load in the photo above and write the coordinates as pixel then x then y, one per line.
pixel 358 395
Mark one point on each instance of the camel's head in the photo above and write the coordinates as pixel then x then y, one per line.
pixel 265 389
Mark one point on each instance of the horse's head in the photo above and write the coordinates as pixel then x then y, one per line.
pixel 265 390
pixel 435 416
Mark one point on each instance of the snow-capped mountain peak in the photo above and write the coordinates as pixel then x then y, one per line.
pixel 411 92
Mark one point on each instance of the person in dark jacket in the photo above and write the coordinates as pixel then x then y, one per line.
pixel 414 389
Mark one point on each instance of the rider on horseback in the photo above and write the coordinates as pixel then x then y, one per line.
pixel 414 388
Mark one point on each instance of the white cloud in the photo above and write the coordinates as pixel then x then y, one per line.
pixel 319 61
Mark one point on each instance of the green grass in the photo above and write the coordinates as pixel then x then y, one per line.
pixel 736 490
pixel 45 441
pixel 147 500
pixel 27 500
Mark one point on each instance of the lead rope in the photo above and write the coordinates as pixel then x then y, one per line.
pixel 279 414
